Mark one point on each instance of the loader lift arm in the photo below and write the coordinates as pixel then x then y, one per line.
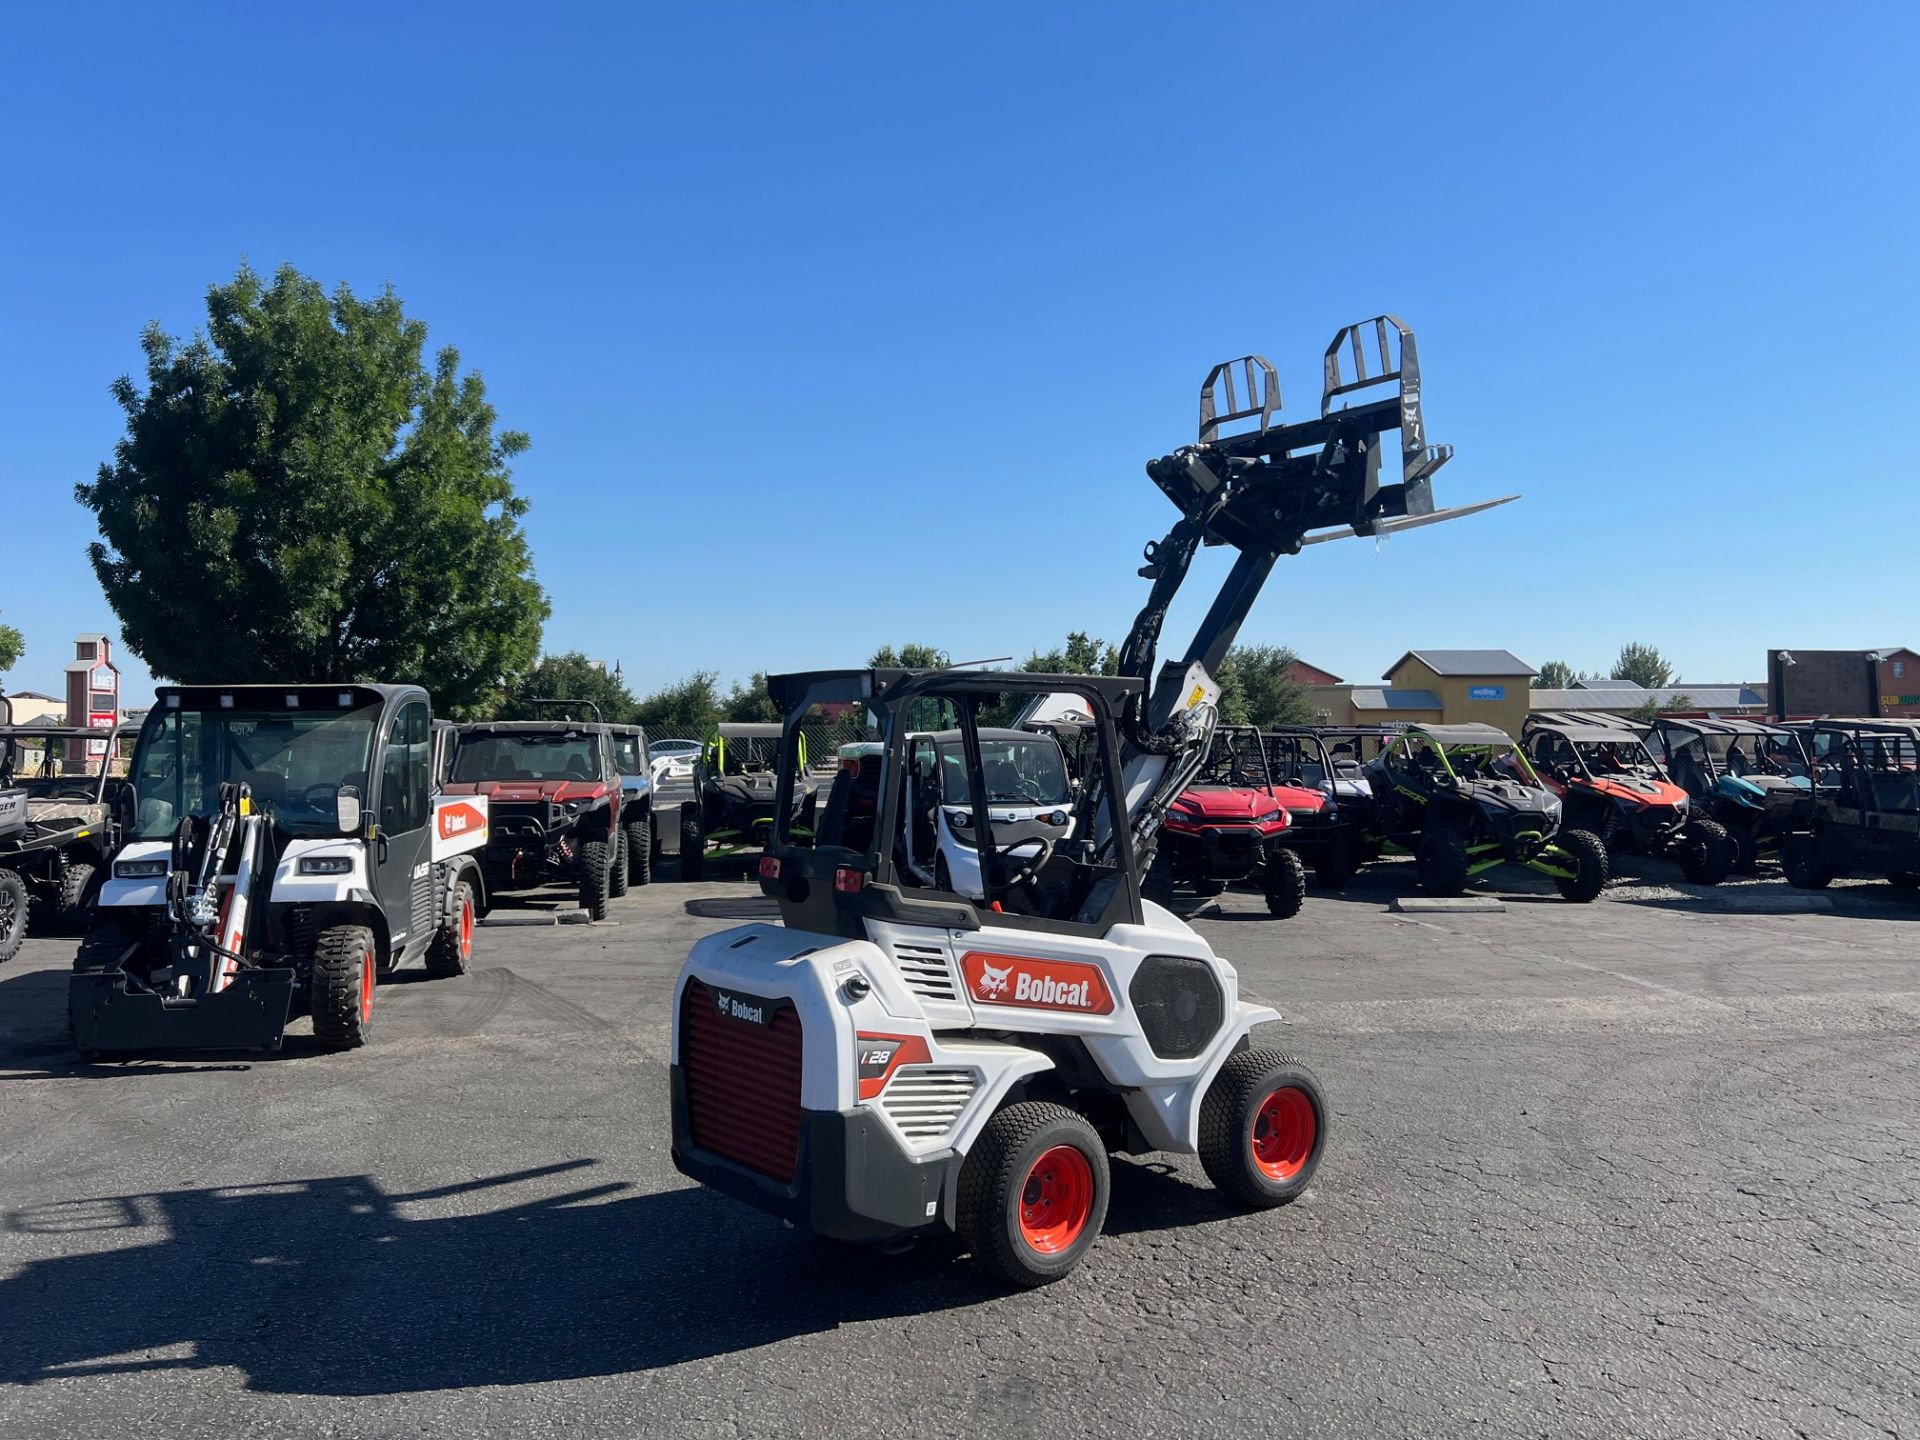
pixel 1266 490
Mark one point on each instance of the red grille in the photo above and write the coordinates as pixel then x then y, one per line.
pixel 743 1085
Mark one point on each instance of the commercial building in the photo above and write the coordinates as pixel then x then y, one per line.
pixel 1441 686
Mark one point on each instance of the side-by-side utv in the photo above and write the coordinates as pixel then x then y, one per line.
pixel 1334 837
pixel 1231 823
pixel 1867 822
pixel 1753 780
pixel 58 825
pixel 1463 800
pixel 1610 785
pixel 733 808
pixel 288 846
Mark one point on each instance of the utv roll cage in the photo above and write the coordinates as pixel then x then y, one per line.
pixel 844 877
pixel 1582 732
pixel 1470 741
pixel 1703 754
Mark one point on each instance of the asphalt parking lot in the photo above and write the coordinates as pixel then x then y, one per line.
pixel 1643 1167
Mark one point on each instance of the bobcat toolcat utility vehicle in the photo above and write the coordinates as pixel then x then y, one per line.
pixel 897 1061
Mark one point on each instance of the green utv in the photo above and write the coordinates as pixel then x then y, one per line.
pixel 1463 800
pixel 733 807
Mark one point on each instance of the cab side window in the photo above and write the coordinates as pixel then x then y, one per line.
pixel 405 771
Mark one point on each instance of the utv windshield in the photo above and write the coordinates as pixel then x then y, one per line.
pixel 1018 772
pixel 1235 758
pixel 510 755
pixel 626 755
pixel 1615 757
pixel 1746 755
pixel 295 763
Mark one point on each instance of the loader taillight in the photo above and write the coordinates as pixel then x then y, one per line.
pixel 741 1066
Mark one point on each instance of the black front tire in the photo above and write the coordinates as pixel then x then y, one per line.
pixel 79 883
pixel 1707 853
pixel 452 947
pixel 1333 867
pixel 693 844
pixel 617 870
pixel 1800 859
pixel 1263 1128
pixel 345 967
pixel 14 904
pixel 640 851
pixel 1590 868
pixel 1746 851
pixel 1033 1193
pixel 1285 882
pixel 1442 863
pixel 596 875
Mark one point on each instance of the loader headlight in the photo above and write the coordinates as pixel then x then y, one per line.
pixel 326 865
pixel 139 869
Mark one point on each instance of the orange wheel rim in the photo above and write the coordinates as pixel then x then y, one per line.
pixel 1284 1130
pixel 366 987
pixel 466 929
pixel 1056 1200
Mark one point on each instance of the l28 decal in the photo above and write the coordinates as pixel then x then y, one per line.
pixel 1031 983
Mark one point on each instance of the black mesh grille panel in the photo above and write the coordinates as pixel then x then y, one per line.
pixel 1180 1005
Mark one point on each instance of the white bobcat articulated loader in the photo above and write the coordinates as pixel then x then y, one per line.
pixel 289 846
pixel 898 1060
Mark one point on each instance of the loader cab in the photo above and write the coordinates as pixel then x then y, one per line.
pixel 937 748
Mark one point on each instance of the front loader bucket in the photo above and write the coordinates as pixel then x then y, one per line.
pixel 250 1014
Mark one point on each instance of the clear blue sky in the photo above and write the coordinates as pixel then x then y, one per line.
pixel 824 317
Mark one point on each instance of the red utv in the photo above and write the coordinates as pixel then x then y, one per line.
pixel 1231 824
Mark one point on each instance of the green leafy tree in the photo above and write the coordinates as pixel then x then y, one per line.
pixel 750 703
pixel 908 657
pixel 571 676
pixel 1081 655
pixel 687 708
pixel 1644 665
pixel 1555 675
pixel 12 646
pixel 1270 694
pixel 299 496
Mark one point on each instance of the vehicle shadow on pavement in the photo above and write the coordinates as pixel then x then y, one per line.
pixel 336 1287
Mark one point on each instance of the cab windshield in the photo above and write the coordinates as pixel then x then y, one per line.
pixel 294 762
pixel 627 756
pixel 1018 772
pixel 509 755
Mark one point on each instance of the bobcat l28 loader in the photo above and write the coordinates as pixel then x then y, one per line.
pixel 290 844
pixel 897 1060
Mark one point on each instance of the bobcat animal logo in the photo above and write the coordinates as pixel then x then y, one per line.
pixel 993 982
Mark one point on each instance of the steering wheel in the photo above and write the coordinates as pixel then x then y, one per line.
pixel 326 792
pixel 1028 872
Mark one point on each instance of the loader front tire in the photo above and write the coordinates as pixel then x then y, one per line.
pixel 1263 1127
pixel 452 947
pixel 1033 1193
pixel 345 972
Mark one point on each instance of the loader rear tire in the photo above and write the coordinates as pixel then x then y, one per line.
pixel 617 870
pixel 452 947
pixel 596 874
pixel 1285 881
pixel 13 914
pixel 693 843
pixel 1033 1193
pixel 640 851
pixel 345 972
pixel 1263 1126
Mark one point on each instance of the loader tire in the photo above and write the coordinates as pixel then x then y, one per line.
pixel 1263 1127
pixel 1707 853
pixel 13 914
pixel 1285 881
pixel 693 843
pixel 1442 862
pixel 345 972
pixel 1590 870
pixel 1033 1193
pixel 596 874
pixel 617 870
pixel 452 948
pixel 640 851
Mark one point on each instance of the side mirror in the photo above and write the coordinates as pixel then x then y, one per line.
pixel 346 809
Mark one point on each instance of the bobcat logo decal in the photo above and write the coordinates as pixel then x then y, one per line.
pixel 993 982
pixel 1034 982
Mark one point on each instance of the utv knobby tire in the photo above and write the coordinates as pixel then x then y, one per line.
pixel 640 851
pixel 452 948
pixel 1800 859
pixel 1707 853
pixel 596 874
pixel 345 966
pixel 1746 851
pixel 693 844
pixel 1590 868
pixel 1442 862
pixel 1334 865
pixel 1285 882
pixel 79 883
pixel 1263 1128
pixel 1027 1209
pixel 14 905
pixel 617 871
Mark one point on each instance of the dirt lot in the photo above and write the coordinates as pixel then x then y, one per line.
pixel 1644 1167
